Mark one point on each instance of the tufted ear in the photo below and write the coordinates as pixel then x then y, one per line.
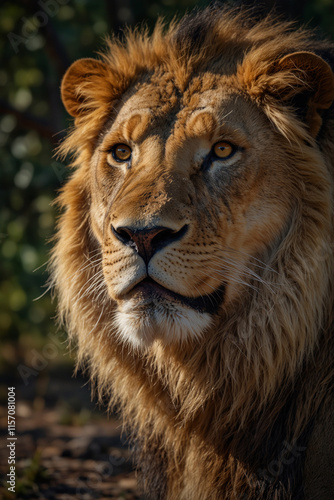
pixel 78 84
pixel 301 80
pixel 314 85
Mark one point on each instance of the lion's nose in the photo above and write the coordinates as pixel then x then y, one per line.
pixel 146 242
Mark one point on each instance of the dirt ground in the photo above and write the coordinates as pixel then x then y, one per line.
pixel 63 454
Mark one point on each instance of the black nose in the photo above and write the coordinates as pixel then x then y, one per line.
pixel 146 242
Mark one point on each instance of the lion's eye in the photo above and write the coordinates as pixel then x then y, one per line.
pixel 121 152
pixel 223 150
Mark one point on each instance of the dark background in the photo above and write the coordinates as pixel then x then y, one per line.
pixel 39 40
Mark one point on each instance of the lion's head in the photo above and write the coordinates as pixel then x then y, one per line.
pixel 199 218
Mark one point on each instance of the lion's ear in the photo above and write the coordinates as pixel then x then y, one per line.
pixel 301 80
pixel 79 81
pixel 313 85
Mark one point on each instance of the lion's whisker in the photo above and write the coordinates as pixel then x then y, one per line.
pixel 79 271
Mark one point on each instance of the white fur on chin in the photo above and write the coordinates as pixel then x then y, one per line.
pixel 170 322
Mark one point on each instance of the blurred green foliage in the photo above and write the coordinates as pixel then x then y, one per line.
pixel 38 42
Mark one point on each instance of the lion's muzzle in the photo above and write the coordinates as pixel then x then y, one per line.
pixel 147 241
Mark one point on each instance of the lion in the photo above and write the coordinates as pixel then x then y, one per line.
pixel 193 260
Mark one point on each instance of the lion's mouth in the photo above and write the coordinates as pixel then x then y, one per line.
pixel 148 289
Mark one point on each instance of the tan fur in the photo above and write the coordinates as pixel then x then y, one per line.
pixel 213 398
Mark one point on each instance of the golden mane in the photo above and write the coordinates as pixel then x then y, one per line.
pixel 209 415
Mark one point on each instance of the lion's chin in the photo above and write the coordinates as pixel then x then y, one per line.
pixel 139 324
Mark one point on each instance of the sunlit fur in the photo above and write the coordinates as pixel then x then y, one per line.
pixel 212 411
pixel 174 323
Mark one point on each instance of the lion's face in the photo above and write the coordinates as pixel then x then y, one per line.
pixel 193 180
pixel 186 198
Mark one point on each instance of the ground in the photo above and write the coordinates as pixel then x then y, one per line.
pixel 64 453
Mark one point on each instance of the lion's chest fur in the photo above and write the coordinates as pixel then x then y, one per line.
pixel 218 457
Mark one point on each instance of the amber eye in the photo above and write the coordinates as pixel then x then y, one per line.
pixel 223 150
pixel 121 152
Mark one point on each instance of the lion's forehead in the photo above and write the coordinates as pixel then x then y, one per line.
pixel 163 108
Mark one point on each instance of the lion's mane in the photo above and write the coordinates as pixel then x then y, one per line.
pixel 209 417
